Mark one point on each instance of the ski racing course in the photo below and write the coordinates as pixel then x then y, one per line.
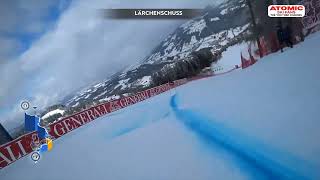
pixel 258 123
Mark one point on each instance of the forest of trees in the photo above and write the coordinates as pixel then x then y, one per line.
pixel 188 67
pixel 266 26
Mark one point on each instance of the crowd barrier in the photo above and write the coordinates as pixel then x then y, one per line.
pixel 22 146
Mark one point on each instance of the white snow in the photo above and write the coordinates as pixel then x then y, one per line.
pixel 110 98
pixel 273 106
pixel 193 40
pixel 224 11
pixel 194 26
pixel 87 96
pixel 215 19
pixel 126 94
pixel 234 8
pixel 122 83
pixel 102 94
pixel 75 105
pixel 76 98
pixel 98 85
pixel 169 47
pixel 145 81
pixel 51 113
pixel 231 57
pixel 221 38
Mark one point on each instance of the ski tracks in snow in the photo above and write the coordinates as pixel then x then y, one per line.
pixel 135 126
pixel 258 159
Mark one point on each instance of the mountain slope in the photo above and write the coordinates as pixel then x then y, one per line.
pixel 215 29
pixel 267 119
pixel 218 28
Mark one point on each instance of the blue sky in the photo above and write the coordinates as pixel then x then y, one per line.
pixel 47 17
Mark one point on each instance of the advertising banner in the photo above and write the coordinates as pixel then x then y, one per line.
pixel 22 146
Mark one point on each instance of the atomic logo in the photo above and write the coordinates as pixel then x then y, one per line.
pixel 286 11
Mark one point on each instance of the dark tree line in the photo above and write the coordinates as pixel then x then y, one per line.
pixel 266 26
pixel 188 67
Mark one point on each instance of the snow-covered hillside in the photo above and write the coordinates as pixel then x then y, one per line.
pixel 211 30
pixel 258 123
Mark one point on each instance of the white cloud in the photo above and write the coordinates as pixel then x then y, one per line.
pixel 20 20
pixel 82 48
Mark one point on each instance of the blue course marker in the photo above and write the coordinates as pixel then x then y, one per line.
pixel 260 159
pixel 31 122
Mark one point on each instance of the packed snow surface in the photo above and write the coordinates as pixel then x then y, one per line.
pixel 51 113
pixel 258 123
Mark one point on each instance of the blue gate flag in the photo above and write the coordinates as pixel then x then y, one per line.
pixel 31 123
pixel 42 132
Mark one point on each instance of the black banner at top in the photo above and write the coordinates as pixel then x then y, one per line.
pixel 151 13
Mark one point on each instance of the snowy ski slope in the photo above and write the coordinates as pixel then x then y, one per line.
pixel 258 123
